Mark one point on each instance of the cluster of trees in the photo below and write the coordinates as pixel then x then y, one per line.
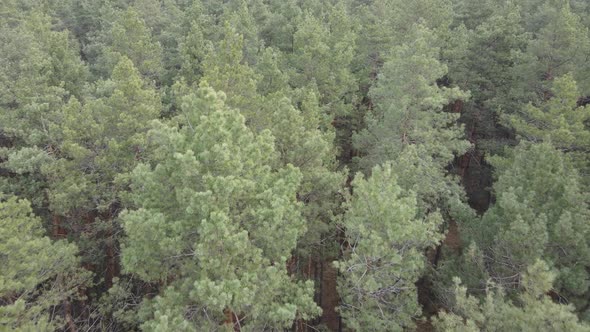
pixel 186 165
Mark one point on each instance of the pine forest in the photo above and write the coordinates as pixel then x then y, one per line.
pixel 294 165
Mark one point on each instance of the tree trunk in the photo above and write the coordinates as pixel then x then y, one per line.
pixel 57 230
pixel 232 320
pixel 111 258
pixel 68 315
pixel 329 295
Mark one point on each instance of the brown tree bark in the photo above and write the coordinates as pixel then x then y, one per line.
pixel 330 299
pixel 57 230
pixel 68 316
pixel 232 320
pixel 111 257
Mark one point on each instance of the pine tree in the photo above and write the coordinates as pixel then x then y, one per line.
pixel 212 203
pixel 323 49
pixel 282 22
pixel 168 22
pixel 541 212
pixel 193 50
pixel 38 276
pixel 234 199
pixel 247 18
pixel 409 107
pixel 127 36
pixel 559 121
pixel 384 23
pixel 384 258
pixel 303 136
pixel 561 45
pixel 534 310
pixel 39 70
pixel 410 129
pixel 226 70
pixel 98 141
pixel 482 60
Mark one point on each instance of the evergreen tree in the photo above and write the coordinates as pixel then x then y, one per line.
pixel 409 107
pixel 243 19
pixel 226 70
pixel 561 45
pixel 482 60
pixel 211 205
pixel 534 310
pixel 303 136
pixel 39 70
pixel 193 50
pixel 167 22
pixel 323 50
pixel 99 141
pixel 233 198
pixel 38 275
pixel 540 213
pixel 559 121
pixel 384 23
pixel 384 258
pixel 127 36
pixel 94 141
pixel 281 24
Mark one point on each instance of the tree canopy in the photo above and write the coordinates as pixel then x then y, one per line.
pixel 294 165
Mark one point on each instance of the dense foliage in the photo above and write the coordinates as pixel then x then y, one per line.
pixel 274 165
